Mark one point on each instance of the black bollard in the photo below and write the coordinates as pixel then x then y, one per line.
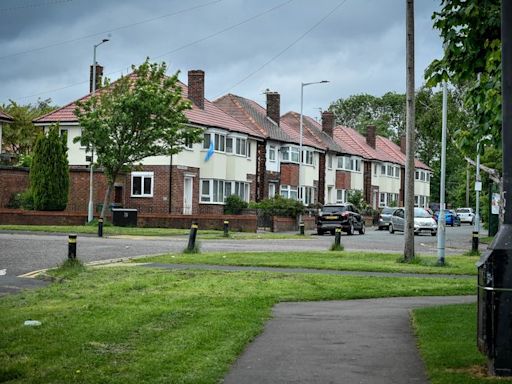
pixel 301 228
pixel 337 237
pixel 474 242
pixel 100 227
pixel 226 228
pixel 72 246
pixel 192 237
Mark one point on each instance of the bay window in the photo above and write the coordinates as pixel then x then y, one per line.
pixel 289 192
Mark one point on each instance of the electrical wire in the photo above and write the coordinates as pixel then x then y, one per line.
pixel 280 53
pixel 104 33
pixel 169 52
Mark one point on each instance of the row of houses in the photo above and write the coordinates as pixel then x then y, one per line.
pixel 256 154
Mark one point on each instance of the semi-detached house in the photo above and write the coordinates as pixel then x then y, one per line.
pixel 253 152
pixel 195 181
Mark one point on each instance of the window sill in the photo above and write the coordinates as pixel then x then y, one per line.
pixel 142 196
pixel 211 203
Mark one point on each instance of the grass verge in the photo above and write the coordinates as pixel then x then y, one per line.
pixel 127 231
pixel 133 325
pixel 343 261
pixel 447 340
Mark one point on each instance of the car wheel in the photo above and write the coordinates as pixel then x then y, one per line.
pixel 433 233
pixel 458 225
pixel 320 232
pixel 361 231
pixel 333 232
pixel 451 224
pixel 350 230
pixel 391 229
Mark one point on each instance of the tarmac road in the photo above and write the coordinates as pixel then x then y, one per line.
pixel 25 252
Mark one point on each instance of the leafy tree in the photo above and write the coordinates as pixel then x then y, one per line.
pixel 49 174
pixel 356 197
pixel 138 116
pixel 19 136
pixel 387 113
pixel 470 30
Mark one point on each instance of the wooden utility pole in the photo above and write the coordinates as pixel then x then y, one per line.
pixel 410 135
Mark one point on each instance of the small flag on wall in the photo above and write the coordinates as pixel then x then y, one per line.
pixel 209 153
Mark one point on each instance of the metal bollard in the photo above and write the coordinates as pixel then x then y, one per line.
pixel 301 228
pixel 192 237
pixel 226 228
pixel 474 242
pixel 337 237
pixel 72 246
pixel 100 227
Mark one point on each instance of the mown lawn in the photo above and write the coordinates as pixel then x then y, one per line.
pixel 346 260
pixel 447 340
pixel 141 325
pixel 128 231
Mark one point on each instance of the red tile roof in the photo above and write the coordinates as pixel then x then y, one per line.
pixel 355 143
pixel 5 117
pixel 210 116
pixel 386 145
pixel 252 114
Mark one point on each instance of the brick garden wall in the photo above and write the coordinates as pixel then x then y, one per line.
pixel 288 224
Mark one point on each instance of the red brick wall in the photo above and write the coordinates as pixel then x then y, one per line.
pixel 287 224
pixel 178 177
pixel 271 176
pixel 342 180
pixel 290 174
pixel 252 186
pixel 245 223
pixel 261 165
pixel 12 181
pixel 21 217
pixel 367 182
pixel 320 196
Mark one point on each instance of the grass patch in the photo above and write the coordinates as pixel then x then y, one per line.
pixel 133 325
pixel 195 250
pixel 447 340
pixel 68 269
pixel 110 230
pixel 471 253
pixel 345 261
pixel 337 247
pixel 486 239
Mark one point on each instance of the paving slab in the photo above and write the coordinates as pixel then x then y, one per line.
pixel 353 341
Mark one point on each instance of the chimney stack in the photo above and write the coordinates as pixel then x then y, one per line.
pixel 196 87
pixel 371 136
pixel 99 76
pixel 403 146
pixel 328 122
pixel 274 106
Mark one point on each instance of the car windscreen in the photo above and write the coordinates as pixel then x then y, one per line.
pixel 420 212
pixel 388 211
pixel 333 209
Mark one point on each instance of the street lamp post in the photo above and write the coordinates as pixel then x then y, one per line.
pixel 302 85
pixel 441 218
pixel 90 210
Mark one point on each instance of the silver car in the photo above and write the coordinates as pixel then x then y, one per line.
pixel 385 217
pixel 423 222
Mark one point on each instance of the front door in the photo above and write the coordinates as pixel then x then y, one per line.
pixel 187 196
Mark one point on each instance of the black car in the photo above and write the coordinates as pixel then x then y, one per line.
pixel 334 216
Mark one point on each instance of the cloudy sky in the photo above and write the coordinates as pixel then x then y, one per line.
pixel 243 46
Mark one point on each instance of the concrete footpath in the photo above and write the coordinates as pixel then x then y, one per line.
pixel 353 341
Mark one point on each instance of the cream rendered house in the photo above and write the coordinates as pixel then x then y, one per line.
pixel 195 181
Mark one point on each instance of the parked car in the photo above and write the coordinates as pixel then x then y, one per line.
pixel 333 216
pixel 385 217
pixel 423 221
pixel 466 215
pixel 451 218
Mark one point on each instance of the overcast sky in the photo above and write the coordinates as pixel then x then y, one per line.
pixel 359 48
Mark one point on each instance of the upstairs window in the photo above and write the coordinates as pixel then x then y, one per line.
pixel 207 139
pixel 272 153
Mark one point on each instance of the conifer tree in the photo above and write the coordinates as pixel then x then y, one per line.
pixel 49 173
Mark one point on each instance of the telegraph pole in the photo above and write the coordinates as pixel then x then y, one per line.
pixel 410 123
pixel 441 229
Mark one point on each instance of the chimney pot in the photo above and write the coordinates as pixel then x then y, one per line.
pixel 274 106
pixel 328 122
pixel 371 136
pixel 99 76
pixel 196 87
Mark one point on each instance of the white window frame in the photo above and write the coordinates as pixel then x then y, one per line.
pixel 272 153
pixel 329 161
pixel 287 191
pixel 307 195
pixel 271 190
pixel 143 176
pixel 341 196
pixel 288 154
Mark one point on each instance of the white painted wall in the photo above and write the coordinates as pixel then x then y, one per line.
pixel 357 180
pixel 330 180
pixel 273 166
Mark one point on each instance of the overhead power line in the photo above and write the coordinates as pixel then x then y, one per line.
pixel 280 53
pixel 103 33
pixel 169 52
